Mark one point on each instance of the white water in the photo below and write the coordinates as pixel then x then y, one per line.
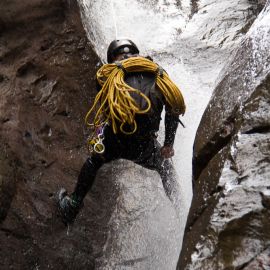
pixel 162 29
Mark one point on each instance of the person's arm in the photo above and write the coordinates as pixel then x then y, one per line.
pixel 171 125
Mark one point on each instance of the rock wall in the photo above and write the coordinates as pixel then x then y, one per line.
pixel 46 80
pixel 228 223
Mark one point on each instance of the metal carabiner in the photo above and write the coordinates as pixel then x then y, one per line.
pixel 99 147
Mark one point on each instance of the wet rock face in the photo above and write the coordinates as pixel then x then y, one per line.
pixel 46 81
pixel 228 224
pixel 223 23
pixel 7 180
pixel 136 222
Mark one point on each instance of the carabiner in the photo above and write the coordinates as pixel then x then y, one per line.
pixel 96 143
pixel 99 147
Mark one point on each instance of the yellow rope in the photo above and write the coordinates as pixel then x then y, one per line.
pixel 114 101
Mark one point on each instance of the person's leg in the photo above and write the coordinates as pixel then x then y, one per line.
pixel 87 177
pixel 69 206
pixel 89 169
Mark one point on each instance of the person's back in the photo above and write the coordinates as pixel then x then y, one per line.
pixel 147 123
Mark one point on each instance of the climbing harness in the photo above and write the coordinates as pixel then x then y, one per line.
pixel 114 102
pixel 95 143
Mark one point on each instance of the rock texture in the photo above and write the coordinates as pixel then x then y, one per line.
pixel 46 79
pixel 228 224
pixel 135 220
pixel 213 32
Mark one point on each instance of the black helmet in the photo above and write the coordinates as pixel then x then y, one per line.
pixel 121 46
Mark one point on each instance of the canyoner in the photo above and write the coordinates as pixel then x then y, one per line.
pixel 131 93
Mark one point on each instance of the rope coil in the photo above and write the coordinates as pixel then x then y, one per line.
pixel 114 102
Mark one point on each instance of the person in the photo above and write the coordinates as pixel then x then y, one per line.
pixel 138 144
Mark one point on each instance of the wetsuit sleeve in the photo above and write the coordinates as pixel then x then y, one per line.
pixel 171 124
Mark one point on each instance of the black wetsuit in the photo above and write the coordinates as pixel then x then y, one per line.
pixel 141 147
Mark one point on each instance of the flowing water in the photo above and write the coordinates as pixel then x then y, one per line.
pixel 164 30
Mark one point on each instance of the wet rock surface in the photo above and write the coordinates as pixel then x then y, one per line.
pixel 228 224
pixel 136 221
pixel 213 31
pixel 46 81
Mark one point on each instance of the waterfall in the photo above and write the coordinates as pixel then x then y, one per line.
pixel 189 48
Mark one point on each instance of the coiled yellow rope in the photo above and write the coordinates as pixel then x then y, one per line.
pixel 114 102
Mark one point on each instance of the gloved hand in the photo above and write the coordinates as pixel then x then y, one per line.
pixel 167 151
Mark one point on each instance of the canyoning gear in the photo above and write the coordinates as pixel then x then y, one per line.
pixel 68 206
pixel 98 145
pixel 146 82
pixel 116 101
pixel 95 142
pixel 120 46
